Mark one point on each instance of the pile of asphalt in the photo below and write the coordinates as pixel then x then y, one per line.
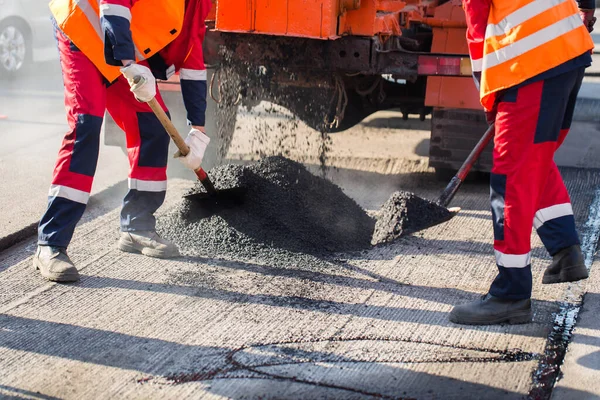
pixel 285 209
pixel 405 213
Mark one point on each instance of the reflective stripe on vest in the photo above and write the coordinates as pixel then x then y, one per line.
pixel 154 24
pixel 525 38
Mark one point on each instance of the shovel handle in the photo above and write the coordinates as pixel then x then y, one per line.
pixel 450 191
pixel 177 139
pixel 169 127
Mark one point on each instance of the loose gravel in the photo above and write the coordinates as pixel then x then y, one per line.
pixel 285 208
pixel 287 212
pixel 405 213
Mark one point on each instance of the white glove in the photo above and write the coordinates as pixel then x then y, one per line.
pixel 145 89
pixel 197 142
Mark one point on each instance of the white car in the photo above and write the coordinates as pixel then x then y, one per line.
pixel 26 35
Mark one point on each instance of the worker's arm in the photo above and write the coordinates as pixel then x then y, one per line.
pixel 193 87
pixel 115 19
pixel 477 13
pixel 119 49
pixel 186 53
pixel 192 73
pixel 586 10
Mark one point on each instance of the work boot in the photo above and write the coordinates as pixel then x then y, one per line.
pixel 54 264
pixel 148 243
pixel 490 310
pixel 568 265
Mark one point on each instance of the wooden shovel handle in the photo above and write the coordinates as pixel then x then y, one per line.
pixel 166 122
pixel 169 127
pixel 179 142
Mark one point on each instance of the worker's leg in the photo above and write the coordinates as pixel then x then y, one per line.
pixel 528 127
pixel 147 148
pixel 522 160
pixel 85 95
pixel 554 220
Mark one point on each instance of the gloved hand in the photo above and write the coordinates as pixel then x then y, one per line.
pixel 197 142
pixel 587 16
pixel 145 89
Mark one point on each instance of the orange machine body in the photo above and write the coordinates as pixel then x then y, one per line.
pixel 451 92
pixel 318 19
pixel 333 19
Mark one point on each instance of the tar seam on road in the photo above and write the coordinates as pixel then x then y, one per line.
pixel 236 365
pixel 548 371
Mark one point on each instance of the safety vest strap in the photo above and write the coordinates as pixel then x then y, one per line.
pixel 154 24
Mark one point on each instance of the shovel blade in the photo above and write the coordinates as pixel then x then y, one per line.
pixel 225 198
pixel 452 213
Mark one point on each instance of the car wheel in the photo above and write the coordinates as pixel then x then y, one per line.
pixel 15 49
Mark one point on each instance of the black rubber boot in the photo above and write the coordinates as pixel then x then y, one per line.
pixel 568 265
pixel 490 310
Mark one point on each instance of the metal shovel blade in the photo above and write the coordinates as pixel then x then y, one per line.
pixel 453 211
pixel 225 198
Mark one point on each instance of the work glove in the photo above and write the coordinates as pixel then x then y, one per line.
pixel 145 89
pixel 587 16
pixel 197 142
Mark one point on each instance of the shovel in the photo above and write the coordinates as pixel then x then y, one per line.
pixel 212 195
pixel 450 191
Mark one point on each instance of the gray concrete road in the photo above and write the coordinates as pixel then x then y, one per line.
pixel 582 362
pixel 31 135
pixel 32 126
pixel 368 325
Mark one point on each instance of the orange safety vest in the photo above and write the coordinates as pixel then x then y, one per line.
pixel 525 38
pixel 154 24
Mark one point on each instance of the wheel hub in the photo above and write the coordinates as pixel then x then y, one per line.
pixel 12 49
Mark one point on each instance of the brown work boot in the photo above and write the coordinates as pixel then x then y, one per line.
pixel 568 265
pixel 54 264
pixel 490 310
pixel 148 243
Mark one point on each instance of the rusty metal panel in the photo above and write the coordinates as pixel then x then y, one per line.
pixel 271 16
pixel 313 18
pixel 235 15
pixel 316 19
pixel 372 18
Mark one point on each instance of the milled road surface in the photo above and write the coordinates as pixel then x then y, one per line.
pixel 372 324
pixel 367 325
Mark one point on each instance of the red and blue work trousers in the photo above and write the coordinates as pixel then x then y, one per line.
pixel 87 97
pixel 527 189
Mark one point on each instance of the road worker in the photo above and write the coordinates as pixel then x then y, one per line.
pixel 528 60
pixel 103 46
